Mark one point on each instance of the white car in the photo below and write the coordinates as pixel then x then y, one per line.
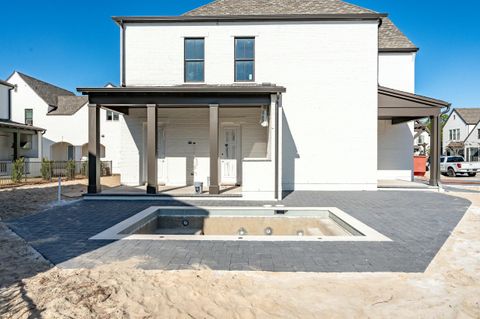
pixel 453 165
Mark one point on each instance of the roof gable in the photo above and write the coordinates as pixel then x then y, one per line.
pixel 46 91
pixel 390 37
pixel 68 105
pixel 470 116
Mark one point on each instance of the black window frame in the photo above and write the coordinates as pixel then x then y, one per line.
pixel 235 59
pixel 25 116
pixel 185 60
pixel 114 116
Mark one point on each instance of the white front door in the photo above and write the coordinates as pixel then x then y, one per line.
pixel 230 156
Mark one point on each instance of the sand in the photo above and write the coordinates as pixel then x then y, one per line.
pixel 450 288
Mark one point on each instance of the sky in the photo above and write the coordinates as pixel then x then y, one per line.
pixel 76 44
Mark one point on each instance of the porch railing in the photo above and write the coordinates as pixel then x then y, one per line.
pixel 46 171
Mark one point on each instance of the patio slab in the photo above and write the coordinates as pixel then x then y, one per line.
pixel 418 223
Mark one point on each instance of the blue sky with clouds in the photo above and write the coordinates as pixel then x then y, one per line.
pixel 75 43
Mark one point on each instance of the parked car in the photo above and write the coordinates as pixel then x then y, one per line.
pixel 453 165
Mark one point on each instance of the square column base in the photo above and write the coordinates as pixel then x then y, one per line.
pixel 94 189
pixel 213 189
pixel 151 190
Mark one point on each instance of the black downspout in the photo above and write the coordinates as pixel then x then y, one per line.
pixel 15 144
pixel 122 53
pixel 277 197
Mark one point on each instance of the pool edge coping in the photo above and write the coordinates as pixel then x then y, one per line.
pixel 114 232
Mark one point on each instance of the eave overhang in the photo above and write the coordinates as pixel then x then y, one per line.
pixel 19 126
pixel 182 95
pixel 247 18
pixel 400 106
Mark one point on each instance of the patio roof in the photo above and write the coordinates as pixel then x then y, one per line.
pixel 400 106
pixel 18 126
pixel 183 95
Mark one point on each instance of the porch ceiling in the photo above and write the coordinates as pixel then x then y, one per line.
pixel 182 95
pixel 402 106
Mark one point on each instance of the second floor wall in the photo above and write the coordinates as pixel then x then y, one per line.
pixel 397 70
pixel 325 52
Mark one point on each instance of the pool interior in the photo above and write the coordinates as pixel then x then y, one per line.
pixel 224 222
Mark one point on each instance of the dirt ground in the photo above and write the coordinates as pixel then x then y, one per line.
pixel 450 288
pixel 29 199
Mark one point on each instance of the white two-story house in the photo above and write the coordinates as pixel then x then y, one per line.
pixel 252 94
pixel 461 133
pixel 62 114
pixel 17 140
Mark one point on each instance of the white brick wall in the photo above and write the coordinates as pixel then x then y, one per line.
pixel 329 70
pixel 395 142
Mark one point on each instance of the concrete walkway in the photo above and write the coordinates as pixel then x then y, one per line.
pixel 417 222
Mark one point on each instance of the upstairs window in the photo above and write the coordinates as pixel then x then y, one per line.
pixel 194 60
pixel 112 116
pixel 478 134
pixel 244 59
pixel 29 116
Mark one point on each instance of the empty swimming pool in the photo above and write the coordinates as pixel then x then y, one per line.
pixel 242 223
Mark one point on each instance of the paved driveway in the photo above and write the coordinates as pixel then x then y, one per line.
pixel 417 222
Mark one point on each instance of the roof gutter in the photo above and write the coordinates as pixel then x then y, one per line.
pixel 121 20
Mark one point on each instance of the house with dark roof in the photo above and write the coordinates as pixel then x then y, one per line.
pixel 248 95
pixel 461 133
pixel 64 116
pixel 16 139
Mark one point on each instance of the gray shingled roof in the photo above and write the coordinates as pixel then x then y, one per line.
pixel 471 116
pixel 48 92
pixel 68 105
pixel 390 37
pixel 276 7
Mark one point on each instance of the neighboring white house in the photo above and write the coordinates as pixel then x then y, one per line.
pixel 16 139
pixel 460 133
pixel 64 116
pixel 264 88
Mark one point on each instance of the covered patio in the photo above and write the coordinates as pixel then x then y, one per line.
pixel 401 107
pixel 258 177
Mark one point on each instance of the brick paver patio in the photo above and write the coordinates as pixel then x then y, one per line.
pixel 418 222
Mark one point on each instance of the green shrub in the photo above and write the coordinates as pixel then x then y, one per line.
pixel 84 170
pixel 46 169
pixel 71 169
pixel 18 170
